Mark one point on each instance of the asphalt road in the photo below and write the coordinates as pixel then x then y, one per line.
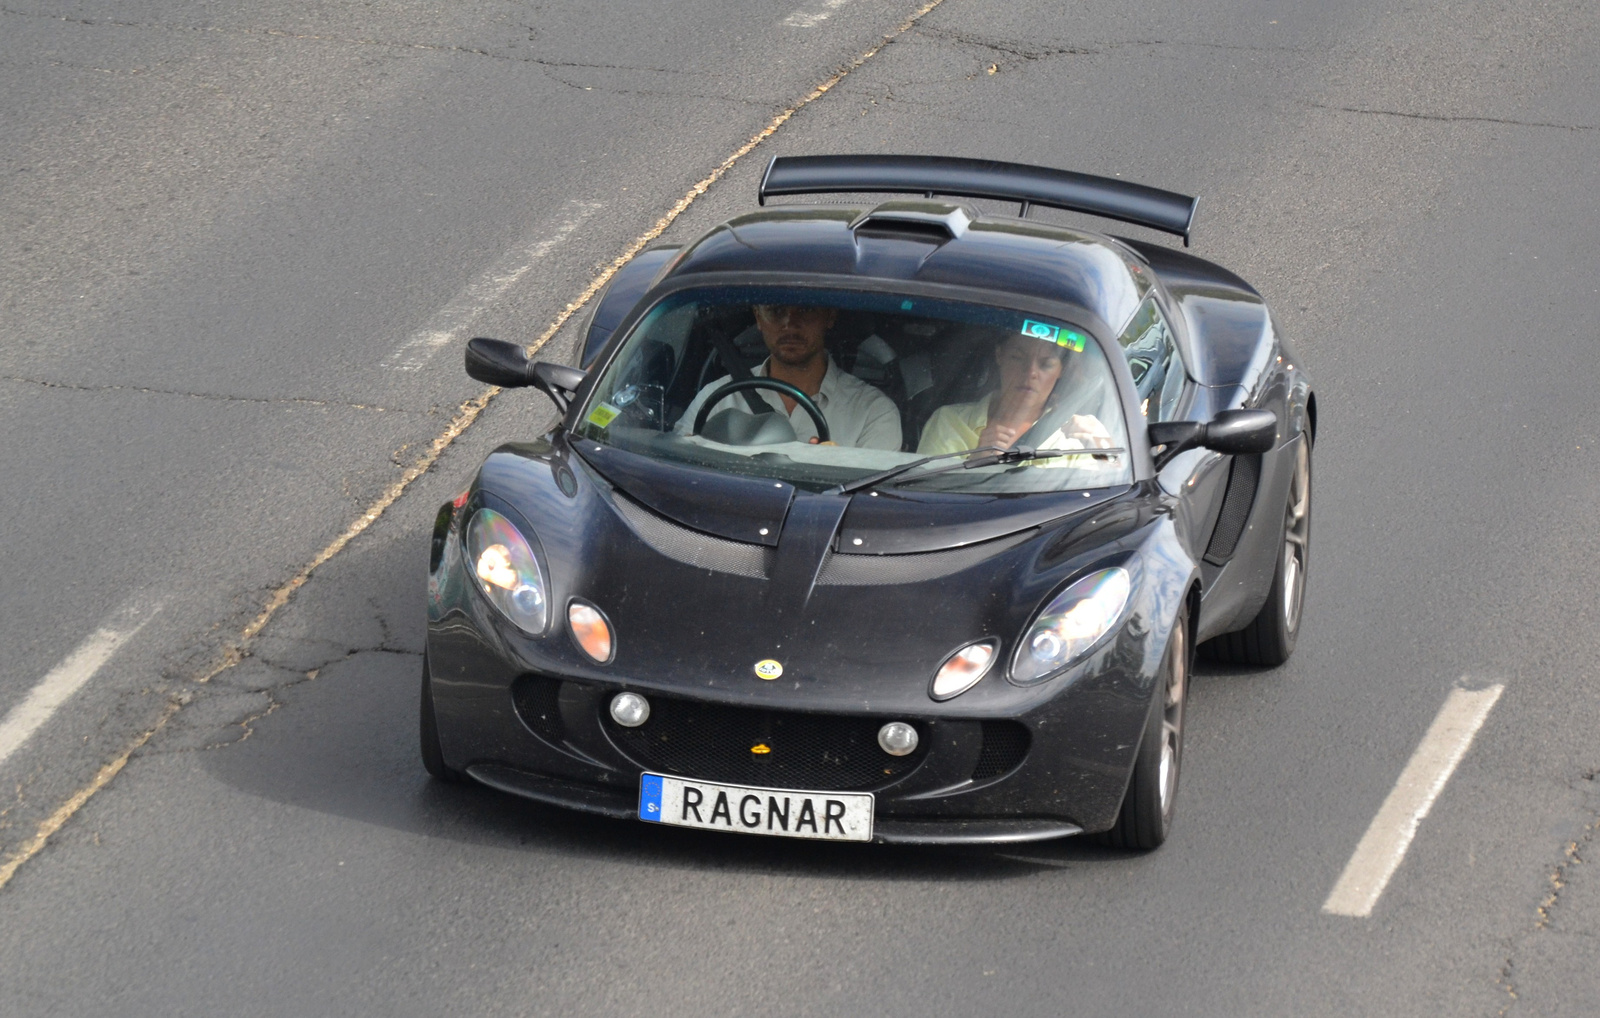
pixel 239 252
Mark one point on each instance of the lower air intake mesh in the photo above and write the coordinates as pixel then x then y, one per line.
pixel 1005 743
pixel 537 699
pixel 1236 503
pixel 721 743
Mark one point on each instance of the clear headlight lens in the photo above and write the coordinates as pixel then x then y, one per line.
pixel 506 570
pixel 962 670
pixel 1071 623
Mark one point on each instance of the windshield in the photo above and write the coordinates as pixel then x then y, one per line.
pixel 819 388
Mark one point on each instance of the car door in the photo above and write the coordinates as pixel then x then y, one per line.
pixel 1195 480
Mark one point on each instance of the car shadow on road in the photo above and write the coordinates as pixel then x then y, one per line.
pixel 344 743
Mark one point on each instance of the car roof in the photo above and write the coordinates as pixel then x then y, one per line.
pixel 927 241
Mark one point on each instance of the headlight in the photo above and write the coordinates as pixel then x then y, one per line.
pixel 506 571
pixel 1071 623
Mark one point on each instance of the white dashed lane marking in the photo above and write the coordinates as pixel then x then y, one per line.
pixel 1384 845
pixel 455 318
pixel 68 677
pixel 815 14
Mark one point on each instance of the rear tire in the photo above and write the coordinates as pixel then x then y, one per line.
pixel 432 752
pixel 1146 815
pixel 1270 637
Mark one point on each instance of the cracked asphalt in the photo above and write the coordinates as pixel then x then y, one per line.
pixel 217 228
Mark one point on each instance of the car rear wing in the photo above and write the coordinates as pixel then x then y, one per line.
pixel 981 178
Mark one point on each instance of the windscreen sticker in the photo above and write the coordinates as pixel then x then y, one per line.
pixel 603 414
pixel 1068 338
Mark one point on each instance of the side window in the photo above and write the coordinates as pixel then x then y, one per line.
pixel 1153 358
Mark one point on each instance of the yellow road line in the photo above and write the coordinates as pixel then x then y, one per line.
pixel 53 823
pixel 465 416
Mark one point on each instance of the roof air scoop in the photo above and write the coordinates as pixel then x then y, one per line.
pixel 936 222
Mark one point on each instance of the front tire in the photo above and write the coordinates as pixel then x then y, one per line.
pixel 1146 815
pixel 432 752
pixel 1270 637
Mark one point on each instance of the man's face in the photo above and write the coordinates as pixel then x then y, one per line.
pixel 794 334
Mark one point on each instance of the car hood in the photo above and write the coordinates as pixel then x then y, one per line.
pixel 894 522
pixel 862 624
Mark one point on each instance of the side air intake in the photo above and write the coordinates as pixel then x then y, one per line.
pixel 1240 496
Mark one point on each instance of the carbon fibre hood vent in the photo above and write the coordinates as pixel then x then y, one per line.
pixel 745 509
pixel 693 548
pixel 888 570
pixel 904 522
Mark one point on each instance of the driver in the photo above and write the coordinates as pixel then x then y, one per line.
pixel 797 353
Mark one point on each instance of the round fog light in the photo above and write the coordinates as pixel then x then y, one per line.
pixel 897 738
pixel 630 710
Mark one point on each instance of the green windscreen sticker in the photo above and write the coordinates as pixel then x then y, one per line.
pixel 1068 338
pixel 603 414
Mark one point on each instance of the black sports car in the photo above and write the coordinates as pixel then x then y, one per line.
pixel 898 522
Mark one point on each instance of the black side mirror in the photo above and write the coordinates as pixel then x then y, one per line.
pixel 506 364
pixel 1238 432
pixel 499 363
pixel 1233 432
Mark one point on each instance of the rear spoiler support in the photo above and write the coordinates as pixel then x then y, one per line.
pixel 981 178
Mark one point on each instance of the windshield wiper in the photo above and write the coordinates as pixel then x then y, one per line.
pixel 992 455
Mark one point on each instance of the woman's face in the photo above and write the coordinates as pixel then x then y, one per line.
pixel 1029 369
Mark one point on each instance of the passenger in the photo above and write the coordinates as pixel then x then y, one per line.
pixel 1029 371
pixel 796 338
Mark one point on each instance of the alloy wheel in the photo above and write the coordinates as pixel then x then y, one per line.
pixel 1172 718
pixel 1297 538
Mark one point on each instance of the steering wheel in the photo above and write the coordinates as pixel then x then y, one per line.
pixel 823 435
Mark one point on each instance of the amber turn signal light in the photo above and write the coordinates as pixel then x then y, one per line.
pixel 590 630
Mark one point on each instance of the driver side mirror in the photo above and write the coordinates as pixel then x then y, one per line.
pixel 1232 432
pixel 506 364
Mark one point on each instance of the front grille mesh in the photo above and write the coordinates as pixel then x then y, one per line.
pixel 1005 743
pixel 714 743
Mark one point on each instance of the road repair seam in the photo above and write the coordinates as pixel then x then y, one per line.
pixel 1559 874
pixel 465 416
pixel 54 822
pixel 1384 845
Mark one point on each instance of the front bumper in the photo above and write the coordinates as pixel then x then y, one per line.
pixel 622 805
pixel 1051 762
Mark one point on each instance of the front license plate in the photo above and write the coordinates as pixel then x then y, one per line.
pixel 782 812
